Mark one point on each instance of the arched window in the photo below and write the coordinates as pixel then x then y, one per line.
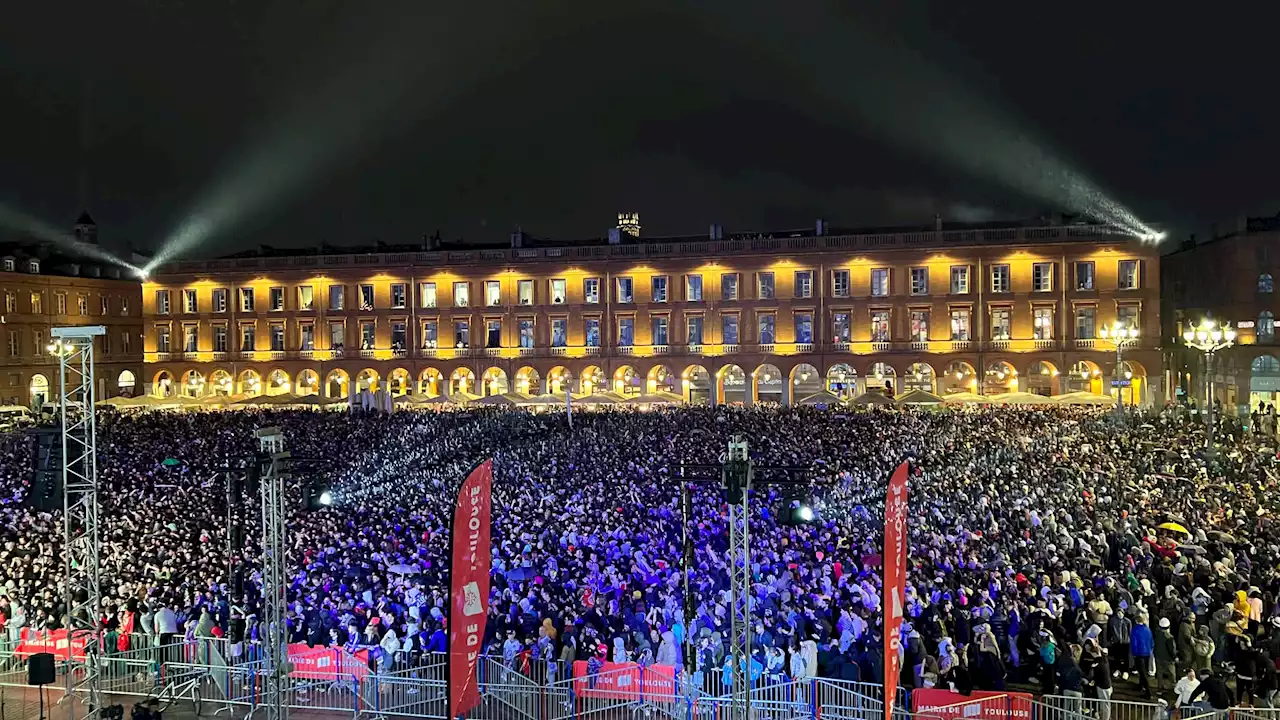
pixel 1265 283
pixel 1266 326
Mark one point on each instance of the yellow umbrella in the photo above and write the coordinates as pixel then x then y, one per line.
pixel 1174 527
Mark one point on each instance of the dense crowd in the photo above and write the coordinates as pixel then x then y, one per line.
pixel 1035 548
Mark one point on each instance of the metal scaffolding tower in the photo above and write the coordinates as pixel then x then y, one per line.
pixel 738 474
pixel 80 537
pixel 274 459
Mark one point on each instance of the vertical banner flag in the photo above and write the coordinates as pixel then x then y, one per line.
pixel 469 588
pixel 895 569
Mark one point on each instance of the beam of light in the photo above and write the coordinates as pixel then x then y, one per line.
pixel 17 221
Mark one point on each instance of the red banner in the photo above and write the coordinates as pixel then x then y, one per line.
pixel 51 641
pixel 978 705
pixel 469 587
pixel 626 681
pixel 895 566
pixel 325 663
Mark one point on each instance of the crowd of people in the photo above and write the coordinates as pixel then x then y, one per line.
pixel 1036 548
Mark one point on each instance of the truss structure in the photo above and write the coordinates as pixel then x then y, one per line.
pixel 274 580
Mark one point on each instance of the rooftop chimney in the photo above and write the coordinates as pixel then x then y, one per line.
pixel 517 238
pixel 820 228
pixel 717 232
pixel 937 222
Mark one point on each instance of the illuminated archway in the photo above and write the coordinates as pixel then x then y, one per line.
pixel 959 377
pixel 1000 377
pixel 1084 376
pixel 249 383
pixel 430 382
pixel 559 381
pixel 1042 378
pixel 367 380
pixel 882 378
pixel 337 384
pixel 308 383
pixel 842 380
pixel 592 380
pixel 1133 383
pixel 278 382
pixel 661 379
pixel 193 384
pixel 462 380
pixel 162 385
pixel 220 383
pixel 696 386
pixel 731 382
pixel 920 376
pixel 626 381
pixel 399 382
pixel 126 382
pixel 768 381
pixel 805 381
pixel 39 390
pixel 528 381
pixel 494 382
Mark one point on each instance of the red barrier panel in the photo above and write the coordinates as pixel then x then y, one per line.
pixel 51 641
pixel 323 663
pixel 979 705
pixel 626 681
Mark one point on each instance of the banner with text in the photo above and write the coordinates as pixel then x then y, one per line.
pixel 626 681
pixel 895 570
pixel 469 587
pixel 978 705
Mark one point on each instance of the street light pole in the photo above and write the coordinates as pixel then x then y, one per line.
pixel 1121 336
pixel 1208 339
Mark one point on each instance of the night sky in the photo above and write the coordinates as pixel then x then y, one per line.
pixel 304 121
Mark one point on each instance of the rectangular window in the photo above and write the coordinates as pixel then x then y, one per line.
pixel 10 302
pixel 919 281
pixel 125 340
pixel 729 286
pixel 1000 278
pixel 190 338
pixel 399 335
pixel 461 294
pixel 591 291
pixel 693 288
pixel 13 343
pixel 559 292
pixel 804 283
pixel 841 327
pixel 220 338
pixel 246 299
pixel 840 286
pixel 430 334
pixel 306 298
pixel 658 325
pixel 1127 316
pixel 624 289
pixel 659 288
pixel 1042 277
pixel 162 338
pixel 959 279
pixel 729 329
pixel 803 327
pixel 1084 276
pixel 368 335
pixel 366 297
pixel 337 335
pixel 220 300
pixel 919 326
pixel 82 304
pixel 591 332
pixel 492 293
pixel 306 337
pixel 1127 277
pixel 276 296
pixel 960 324
pixel 1001 323
pixel 337 297
pixel 880 330
pixel 38 340
pixel 693 329
pixel 399 296
pixel 626 332
pixel 427 295
pixel 764 286
pixel 104 304
pixel 525 325
pixel 766 327
pixel 189 303
pixel 559 332
pixel 1086 322
pixel 277 337
pixel 106 344
pixel 524 292
pixel 248 338
pixel 162 302
pixel 493 333
pixel 1042 323
pixel 880 282
pixel 60 303
pixel 462 334
pixel 37 303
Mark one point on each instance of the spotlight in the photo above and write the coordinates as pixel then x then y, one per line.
pixel 326 498
pixel 316 495
pixel 804 513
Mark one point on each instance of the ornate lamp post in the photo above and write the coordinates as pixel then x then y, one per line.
pixel 1122 336
pixel 1208 338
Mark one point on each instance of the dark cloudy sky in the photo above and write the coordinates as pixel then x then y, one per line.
pixel 300 121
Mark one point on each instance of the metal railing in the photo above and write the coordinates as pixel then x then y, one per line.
pixel 1062 707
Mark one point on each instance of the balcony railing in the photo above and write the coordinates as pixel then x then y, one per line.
pixel 767 348
pixel 367 353
pixel 842 346
pixel 591 350
pixel 626 350
pixel 1045 344
pixel 961 345
pixel 219 355
pixel 528 352
pixel 728 349
pixel 428 352
pixel 559 351
pixel 998 345
pixel 399 352
pixel 693 348
pixel 881 346
pixel 804 347
pixel 1086 344
pixel 918 345
pixel 190 355
pixel 493 352
pixel 661 349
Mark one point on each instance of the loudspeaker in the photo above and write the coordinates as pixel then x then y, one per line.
pixel 45 492
pixel 40 669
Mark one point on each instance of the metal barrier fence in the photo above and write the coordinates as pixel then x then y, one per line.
pixel 1062 707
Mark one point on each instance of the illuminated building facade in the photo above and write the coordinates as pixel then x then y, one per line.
pixel 713 319
pixel 1230 279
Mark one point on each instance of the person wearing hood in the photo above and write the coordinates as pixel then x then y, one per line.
pixel 1048 663
pixel 1165 652
pixel 1202 650
pixel 667 651
pixel 1141 645
pixel 1119 630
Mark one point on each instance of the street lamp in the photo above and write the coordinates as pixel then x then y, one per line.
pixel 1122 336
pixel 1208 338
